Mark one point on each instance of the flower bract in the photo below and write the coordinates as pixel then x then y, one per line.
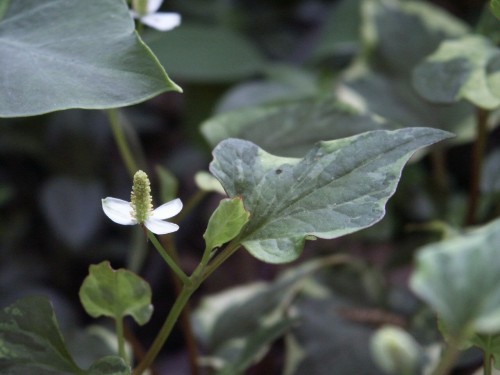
pixel 140 209
pixel 150 16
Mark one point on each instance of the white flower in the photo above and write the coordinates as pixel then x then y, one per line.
pixel 140 209
pixel 121 212
pixel 162 21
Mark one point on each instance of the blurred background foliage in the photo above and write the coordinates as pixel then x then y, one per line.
pixel 283 74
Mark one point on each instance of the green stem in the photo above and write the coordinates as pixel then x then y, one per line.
pixel 193 283
pixel 185 318
pixel 487 359
pixel 173 265
pixel 477 162
pixel 121 339
pixel 121 140
pixel 229 250
pixel 448 359
pixel 166 329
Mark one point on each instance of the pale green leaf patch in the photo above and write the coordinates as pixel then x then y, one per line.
pixel 459 279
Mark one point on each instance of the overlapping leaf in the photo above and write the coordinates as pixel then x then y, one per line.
pixel 292 128
pixel 60 54
pixel 459 279
pixel 339 187
pixel 461 69
pixel 380 79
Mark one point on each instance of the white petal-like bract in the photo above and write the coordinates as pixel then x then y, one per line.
pixel 118 210
pixel 154 5
pixel 158 226
pixel 168 210
pixel 162 21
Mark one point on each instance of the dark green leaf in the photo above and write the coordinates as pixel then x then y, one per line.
pixel 380 80
pixel 111 365
pixel 60 54
pixel 254 346
pixel 292 128
pixel 420 27
pixel 115 294
pixel 72 209
pixel 459 279
pixel 30 338
pixel 226 222
pixel 340 33
pixel 338 188
pixel 201 53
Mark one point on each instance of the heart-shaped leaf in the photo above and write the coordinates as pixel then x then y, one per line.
pixel 30 337
pixel 459 70
pixel 339 187
pixel 226 222
pixel 459 279
pixel 115 294
pixel 60 54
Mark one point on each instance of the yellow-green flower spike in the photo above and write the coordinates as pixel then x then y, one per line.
pixel 140 6
pixel 140 198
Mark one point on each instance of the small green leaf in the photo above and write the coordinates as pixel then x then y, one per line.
pixel 459 279
pixel 495 8
pixel 87 56
pixel 226 222
pixel 115 294
pixel 459 70
pixel 338 188
pixel 30 337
